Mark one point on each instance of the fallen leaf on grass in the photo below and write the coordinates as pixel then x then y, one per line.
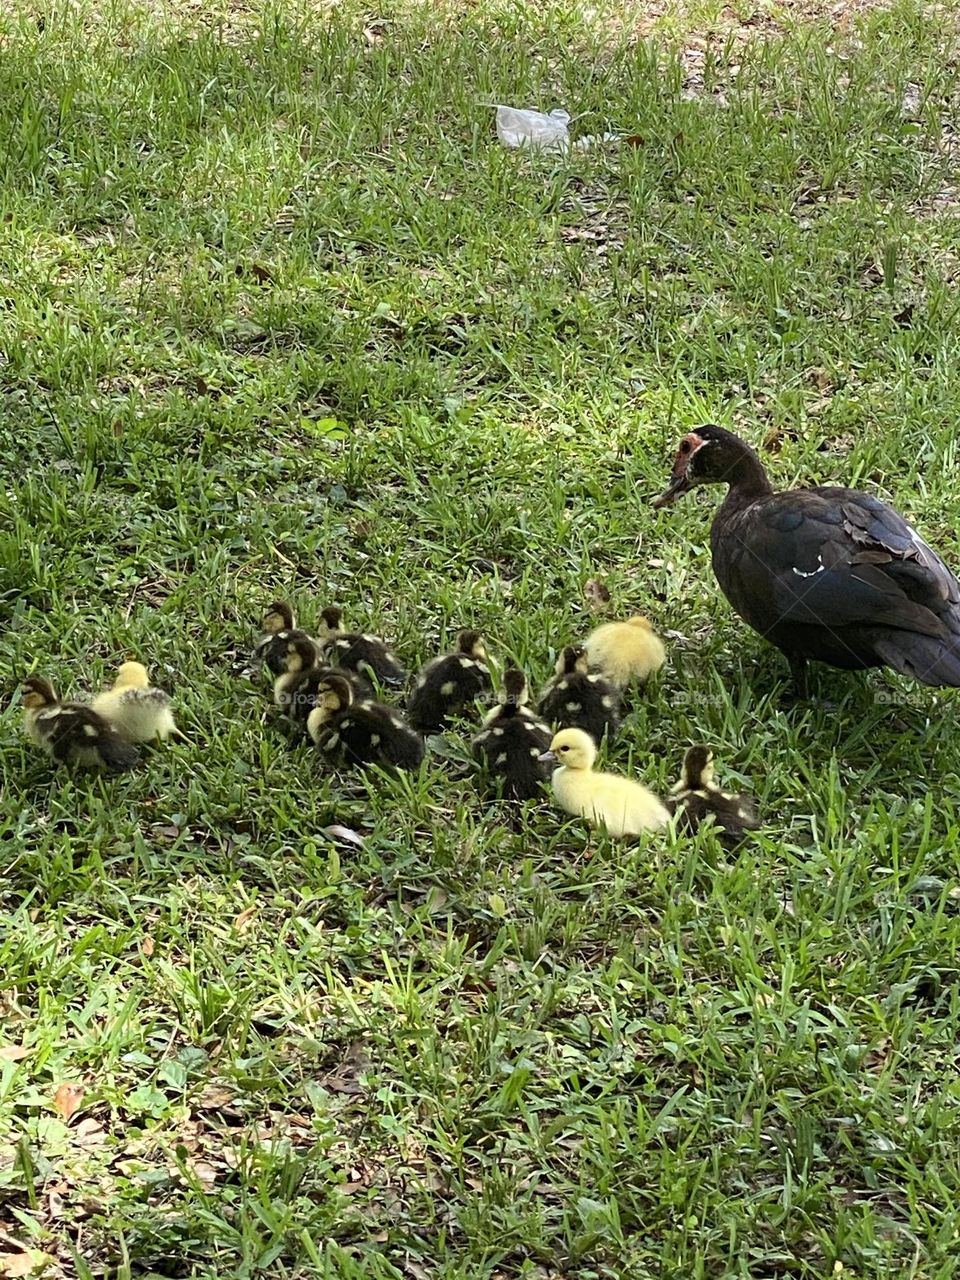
pixel 215 1096
pixel 16 1264
pixel 89 1133
pixel 13 1052
pixel 344 834
pixel 23 1263
pixel 595 593
pixel 202 1170
pixel 67 1100
pixel 242 922
pixel 147 945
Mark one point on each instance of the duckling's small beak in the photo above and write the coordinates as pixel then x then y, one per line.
pixel 678 486
pixel 548 757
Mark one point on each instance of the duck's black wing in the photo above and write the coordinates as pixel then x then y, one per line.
pixel 847 568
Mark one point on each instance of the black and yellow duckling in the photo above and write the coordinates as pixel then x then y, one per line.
pixel 696 799
pixel 625 651
pixel 279 627
pixel 448 684
pixel 137 710
pixel 361 731
pixel 293 656
pixel 577 698
pixel 295 689
pixel 511 741
pixel 72 732
pixel 366 654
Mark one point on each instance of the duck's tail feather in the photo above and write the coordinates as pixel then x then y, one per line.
pixel 924 658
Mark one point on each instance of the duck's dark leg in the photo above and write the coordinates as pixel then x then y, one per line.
pixel 799 673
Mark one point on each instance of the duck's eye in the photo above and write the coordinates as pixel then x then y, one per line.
pixel 564 748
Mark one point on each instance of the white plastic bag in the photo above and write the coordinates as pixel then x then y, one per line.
pixel 521 127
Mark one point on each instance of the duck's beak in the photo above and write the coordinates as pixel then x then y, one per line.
pixel 678 486
pixel 548 757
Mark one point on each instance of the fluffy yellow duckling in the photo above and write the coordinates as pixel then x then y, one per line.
pixel 140 712
pixel 72 732
pixel 625 651
pixel 620 805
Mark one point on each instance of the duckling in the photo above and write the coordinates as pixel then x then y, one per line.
pixel 297 657
pixel 624 651
pixel 72 732
pixel 279 626
pixel 447 684
pixel 366 654
pixel 135 708
pixel 696 798
pixel 362 731
pixel 511 741
pixel 620 805
pixel 295 688
pixel 579 699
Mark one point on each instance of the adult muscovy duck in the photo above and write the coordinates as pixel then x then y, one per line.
pixel 828 574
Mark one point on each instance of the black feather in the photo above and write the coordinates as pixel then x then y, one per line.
pixel 444 688
pixel 367 656
pixel 582 700
pixel 370 733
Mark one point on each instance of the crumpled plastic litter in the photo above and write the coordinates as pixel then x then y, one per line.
pixel 544 131
pixel 522 127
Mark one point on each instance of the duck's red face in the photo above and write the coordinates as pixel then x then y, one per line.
pixel 683 476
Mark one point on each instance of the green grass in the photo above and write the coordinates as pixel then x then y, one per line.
pixel 279 317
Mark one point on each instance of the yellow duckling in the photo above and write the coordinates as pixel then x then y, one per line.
pixel 72 732
pixel 620 805
pixel 625 651
pixel 135 708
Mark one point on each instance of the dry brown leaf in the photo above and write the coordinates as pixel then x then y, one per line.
pixel 215 1097
pixel 18 1264
pixel 147 945
pixel 13 1052
pixel 595 593
pixel 89 1133
pixel 242 922
pixel 67 1100
pixel 204 1172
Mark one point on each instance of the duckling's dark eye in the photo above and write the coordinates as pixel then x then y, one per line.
pixel 564 748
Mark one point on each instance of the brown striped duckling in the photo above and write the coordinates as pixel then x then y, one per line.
pixel 368 655
pixel 448 684
pixel 697 799
pixel 577 698
pixel 295 689
pixel 279 627
pixel 512 740
pixel 72 732
pixel 361 731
